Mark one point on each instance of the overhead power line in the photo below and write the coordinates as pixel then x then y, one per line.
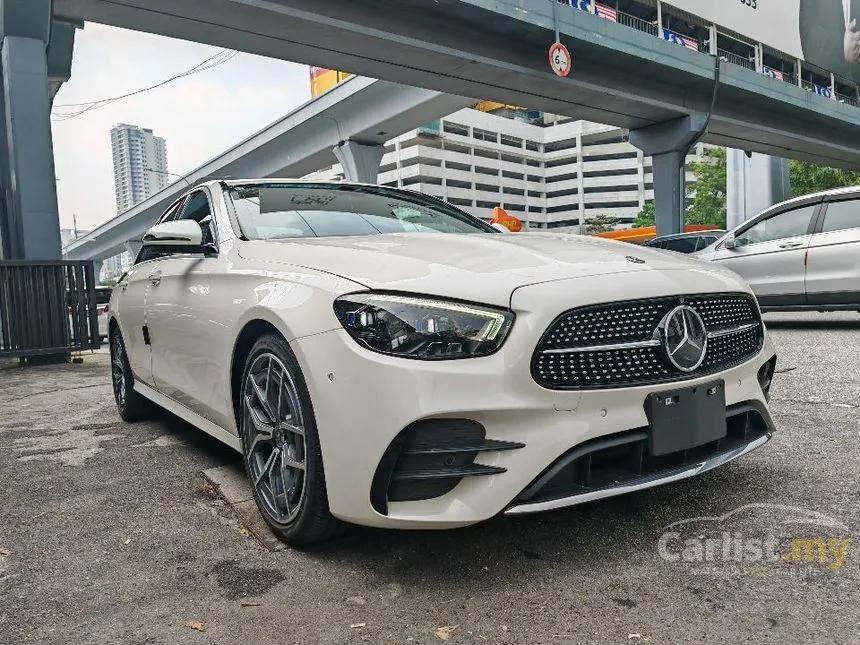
pixel 213 61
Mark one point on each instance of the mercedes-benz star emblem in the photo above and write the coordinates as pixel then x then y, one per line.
pixel 685 338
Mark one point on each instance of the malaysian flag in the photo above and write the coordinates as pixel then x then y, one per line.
pixel 606 12
pixel 773 73
pixel 678 39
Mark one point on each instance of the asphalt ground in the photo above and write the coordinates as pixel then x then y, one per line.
pixel 110 534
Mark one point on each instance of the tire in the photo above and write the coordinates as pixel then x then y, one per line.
pixel 129 403
pixel 280 446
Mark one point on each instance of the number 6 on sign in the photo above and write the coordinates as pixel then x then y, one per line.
pixel 559 59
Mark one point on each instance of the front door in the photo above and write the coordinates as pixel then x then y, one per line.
pixel 185 314
pixel 770 255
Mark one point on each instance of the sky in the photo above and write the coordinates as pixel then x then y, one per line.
pixel 199 116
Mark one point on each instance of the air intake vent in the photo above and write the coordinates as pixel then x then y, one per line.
pixel 429 458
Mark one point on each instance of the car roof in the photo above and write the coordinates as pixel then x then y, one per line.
pixel 846 190
pixel 293 180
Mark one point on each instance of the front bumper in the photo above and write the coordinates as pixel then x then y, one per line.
pixel 363 400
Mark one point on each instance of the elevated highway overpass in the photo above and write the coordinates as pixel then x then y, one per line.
pixel 668 96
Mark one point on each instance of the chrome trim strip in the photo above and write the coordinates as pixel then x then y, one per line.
pixel 604 348
pixel 650 482
pixel 733 330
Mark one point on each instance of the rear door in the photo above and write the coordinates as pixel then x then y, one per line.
pixel 833 261
pixel 129 303
pixel 770 254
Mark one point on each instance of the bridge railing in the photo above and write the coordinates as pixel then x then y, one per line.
pixel 731 57
pixel 850 100
pixel 47 308
pixel 637 23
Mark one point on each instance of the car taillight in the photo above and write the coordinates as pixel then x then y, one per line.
pixel 106 309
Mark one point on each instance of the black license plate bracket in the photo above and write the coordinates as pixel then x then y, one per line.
pixel 685 418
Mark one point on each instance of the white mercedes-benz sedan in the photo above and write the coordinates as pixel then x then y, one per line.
pixel 382 358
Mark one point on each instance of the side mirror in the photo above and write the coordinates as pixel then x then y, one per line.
pixel 729 242
pixel 184 232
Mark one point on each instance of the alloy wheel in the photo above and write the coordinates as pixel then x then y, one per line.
pixel 118 371
pixel 274 438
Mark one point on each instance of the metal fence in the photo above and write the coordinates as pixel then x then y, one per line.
pixel 47 308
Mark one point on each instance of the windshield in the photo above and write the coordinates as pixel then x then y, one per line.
pixel 283 211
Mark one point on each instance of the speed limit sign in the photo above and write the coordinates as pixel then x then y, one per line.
pixel 559 59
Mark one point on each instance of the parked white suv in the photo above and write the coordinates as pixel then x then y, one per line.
pixel 803 254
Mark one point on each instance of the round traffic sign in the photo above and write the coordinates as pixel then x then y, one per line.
pixel 559 59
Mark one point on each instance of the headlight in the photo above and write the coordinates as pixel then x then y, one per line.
pixel 423 328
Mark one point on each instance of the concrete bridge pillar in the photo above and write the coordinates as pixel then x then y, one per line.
pixel 28 206
pixel 668 144
pixel 360 161
pixel 755 182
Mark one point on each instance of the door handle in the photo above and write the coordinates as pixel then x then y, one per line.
pixel 154 279
pixel 790 245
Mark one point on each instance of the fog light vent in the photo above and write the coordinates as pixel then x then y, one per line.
pixel 765 376
pixel 429 458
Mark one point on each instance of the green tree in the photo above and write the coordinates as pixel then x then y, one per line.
pixel 808 177
pixel 646 216
pixel 600 224
pixel 708 193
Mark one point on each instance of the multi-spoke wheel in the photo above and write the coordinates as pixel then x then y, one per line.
pixel 131 405
pixel 280 445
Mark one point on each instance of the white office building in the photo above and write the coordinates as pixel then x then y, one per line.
pixel 549 171
pixel 139 164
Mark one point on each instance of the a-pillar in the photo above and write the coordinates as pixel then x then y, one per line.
pixel 30 206
pixel 668 144
pixel 360 161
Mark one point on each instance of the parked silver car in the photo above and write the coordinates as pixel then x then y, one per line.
pixel 803 254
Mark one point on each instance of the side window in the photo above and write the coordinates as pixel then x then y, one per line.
pixel 682 244
pixel 197 208
pixel 787 224
pixel 172 212
pixel 705 241
pixel 147 253
pixel 842 215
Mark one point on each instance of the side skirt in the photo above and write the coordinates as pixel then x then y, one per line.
pixel 193 418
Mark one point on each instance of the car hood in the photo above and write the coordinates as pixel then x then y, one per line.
pixel 481 267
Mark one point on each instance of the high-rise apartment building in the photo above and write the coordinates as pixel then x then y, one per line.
pixel 139 171
pixel 139 164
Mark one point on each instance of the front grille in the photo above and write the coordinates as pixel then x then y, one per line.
pixel 619 345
